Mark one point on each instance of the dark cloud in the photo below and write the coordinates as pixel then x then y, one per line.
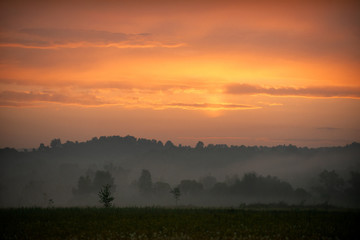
pixel 322 91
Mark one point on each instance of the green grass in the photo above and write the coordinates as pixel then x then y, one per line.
pixel 165 223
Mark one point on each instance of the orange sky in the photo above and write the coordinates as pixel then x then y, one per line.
pixel 235 72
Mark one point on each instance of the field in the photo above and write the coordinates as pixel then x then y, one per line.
pixel 179 223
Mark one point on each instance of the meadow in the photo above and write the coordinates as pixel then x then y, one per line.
pixel 178 223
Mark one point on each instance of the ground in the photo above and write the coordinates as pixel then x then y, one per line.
pixel 178 223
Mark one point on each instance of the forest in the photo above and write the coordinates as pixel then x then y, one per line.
pixel 143 172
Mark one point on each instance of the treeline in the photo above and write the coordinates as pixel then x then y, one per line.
pixel 106 144
pixel 249 189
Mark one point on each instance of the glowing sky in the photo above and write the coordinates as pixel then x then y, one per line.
pixel 235 72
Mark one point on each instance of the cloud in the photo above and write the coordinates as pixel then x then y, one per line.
pixel 125 85
pixel 25 98
pixel 44 38
pixel 211 106
pixel 72 35
pixel 98 97
pixel 321 92
pixel 328 128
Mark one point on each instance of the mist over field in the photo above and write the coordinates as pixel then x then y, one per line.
pixel 143 172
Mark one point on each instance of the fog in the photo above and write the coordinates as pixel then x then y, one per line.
pixel 143 172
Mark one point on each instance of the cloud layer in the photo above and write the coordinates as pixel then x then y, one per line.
pixel 321 92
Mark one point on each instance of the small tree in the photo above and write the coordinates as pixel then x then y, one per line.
pixel 105 196
pixel 176 194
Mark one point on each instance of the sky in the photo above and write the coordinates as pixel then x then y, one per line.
pixel 222 72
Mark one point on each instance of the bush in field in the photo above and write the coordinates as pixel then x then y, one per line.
pixel 105 196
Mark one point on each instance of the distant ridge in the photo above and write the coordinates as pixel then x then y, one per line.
pixel 131 141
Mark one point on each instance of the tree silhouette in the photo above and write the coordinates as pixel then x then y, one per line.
pixel 199 145
pixel 145 182
pixel 55 143
pixel 169 145
pixel 161 188
pixel 331 185
pixel 84 186
pixel 190 187
pixel 176 194
pixel 102 178
pixel 208 182
pixel 105 196
pixel 354 190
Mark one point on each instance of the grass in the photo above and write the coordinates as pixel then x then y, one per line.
pixel 179 223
